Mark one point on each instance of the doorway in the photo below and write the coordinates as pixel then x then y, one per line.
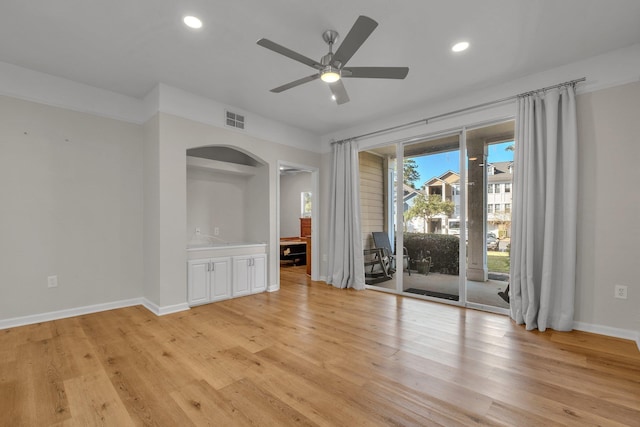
pixel 297 207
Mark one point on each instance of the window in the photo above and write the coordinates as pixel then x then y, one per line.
pixel 305 204
pixel 497 188
pixel 507 187
pixel 507 207
pixel 498 207
pixel 490 188
pixel 489 208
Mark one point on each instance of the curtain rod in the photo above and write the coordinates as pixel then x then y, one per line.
pixel 462 110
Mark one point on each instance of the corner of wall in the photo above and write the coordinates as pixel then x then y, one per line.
pixel 161 311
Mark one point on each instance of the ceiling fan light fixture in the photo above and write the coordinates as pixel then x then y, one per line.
pixel 459 47
pixel 330 74
pixel 192 22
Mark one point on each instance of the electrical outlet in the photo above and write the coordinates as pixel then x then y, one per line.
pixel 216 231
pixel 620 292
pixel 52 281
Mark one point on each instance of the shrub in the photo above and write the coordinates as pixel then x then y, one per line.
pixel 443 249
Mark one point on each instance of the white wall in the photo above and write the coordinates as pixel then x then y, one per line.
pixel 71 206
pixel 291 187
pixel 216 200
pixel 609 207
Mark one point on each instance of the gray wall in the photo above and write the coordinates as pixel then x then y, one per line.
pixel 291 185
pixel 71 206
pixel 609 206
pixel 216 199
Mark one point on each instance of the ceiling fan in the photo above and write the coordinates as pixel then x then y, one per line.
pixel 331 68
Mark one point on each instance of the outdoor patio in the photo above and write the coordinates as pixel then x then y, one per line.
pixel 485 293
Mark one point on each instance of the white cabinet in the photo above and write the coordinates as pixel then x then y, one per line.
pixel 208 280
pixel 249 274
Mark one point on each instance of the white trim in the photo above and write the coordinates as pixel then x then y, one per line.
pixel 70 312
pixel 161 311
pixel 273 288
pixel 89 309
pixel 626 334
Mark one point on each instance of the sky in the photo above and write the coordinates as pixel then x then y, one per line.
pixel 437 164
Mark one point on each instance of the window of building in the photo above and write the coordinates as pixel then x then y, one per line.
pixel 497 188
pixel 507 207
pixel 489 208
pixel 498 207
pixel 490 188
pixel 507 187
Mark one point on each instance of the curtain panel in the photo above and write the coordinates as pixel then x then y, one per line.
pixel 544 216
pixel 345 258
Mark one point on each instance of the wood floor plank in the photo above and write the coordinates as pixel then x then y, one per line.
pixel 311 354
pixel 97 402
pixel 261 407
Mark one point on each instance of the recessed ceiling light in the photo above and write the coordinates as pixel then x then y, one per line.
pixel 333 97
pixel 192 22
pixel 459 47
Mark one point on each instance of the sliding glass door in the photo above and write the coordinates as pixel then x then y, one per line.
pixel 435 202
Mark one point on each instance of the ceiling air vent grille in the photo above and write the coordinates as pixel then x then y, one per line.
pixel 235 120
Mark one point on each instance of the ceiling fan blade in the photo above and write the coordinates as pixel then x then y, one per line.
pixel 360 31
pixel 295 83
pixel 339 92
pixel 376 72
pixel 289 53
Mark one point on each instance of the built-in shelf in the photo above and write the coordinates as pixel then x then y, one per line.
pixel 218 166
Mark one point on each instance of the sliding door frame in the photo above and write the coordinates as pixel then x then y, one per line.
pixel 400 145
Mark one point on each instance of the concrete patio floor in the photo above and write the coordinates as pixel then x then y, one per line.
pixel 477 292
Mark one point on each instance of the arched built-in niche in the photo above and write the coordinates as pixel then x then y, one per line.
pixel 227 196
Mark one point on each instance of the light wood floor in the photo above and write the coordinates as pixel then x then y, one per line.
pixel 313 355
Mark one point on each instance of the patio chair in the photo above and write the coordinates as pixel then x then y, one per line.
pixel 377 266
pixel 381 240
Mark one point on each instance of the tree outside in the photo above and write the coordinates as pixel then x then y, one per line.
pixel 410 173
pixel 427 207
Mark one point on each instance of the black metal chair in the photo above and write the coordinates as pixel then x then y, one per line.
pixel 381 240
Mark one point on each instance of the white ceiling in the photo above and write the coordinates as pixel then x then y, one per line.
pixel 129 46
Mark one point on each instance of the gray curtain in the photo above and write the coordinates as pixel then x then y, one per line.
pixel 346 262
pixel 543 241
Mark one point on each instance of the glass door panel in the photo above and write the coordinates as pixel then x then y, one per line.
pixel 489 192
pixel 432 215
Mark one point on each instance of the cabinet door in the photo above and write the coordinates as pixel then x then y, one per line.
pixel 241 278
pixel 198 281
pixel 259 273
pixel 220 279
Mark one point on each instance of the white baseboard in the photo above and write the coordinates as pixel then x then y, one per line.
pixel 626 334
pixel 96 308
pixel 168 309
pixel 273 288
pixel 70 312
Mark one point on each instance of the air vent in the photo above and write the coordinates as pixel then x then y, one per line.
pixel 235 120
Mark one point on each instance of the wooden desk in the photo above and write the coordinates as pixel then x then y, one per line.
pixel 293 250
